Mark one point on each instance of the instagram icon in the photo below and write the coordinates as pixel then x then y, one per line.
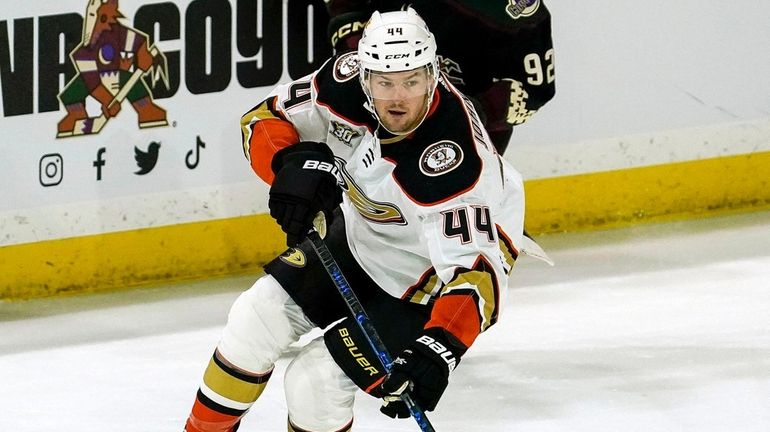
pixel 51 169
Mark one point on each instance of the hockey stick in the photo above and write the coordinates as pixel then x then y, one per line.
pixel 363 322
pixel 92 125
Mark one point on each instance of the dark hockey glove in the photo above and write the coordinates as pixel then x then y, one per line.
pixel 305 184
pixel 345 30
pixel 422 369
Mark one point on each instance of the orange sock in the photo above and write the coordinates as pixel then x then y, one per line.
pixel 224 397
pixel 208 416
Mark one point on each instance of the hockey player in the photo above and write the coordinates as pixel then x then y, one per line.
pixel 426 234
pixel 499 53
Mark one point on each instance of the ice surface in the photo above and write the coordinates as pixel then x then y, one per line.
pixel 655 328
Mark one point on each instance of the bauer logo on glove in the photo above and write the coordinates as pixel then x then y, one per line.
pixel 423 368
pixel 440 349
pixel 331 168
pixel 305 184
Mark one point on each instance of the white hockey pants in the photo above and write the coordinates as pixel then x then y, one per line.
pixel 262 323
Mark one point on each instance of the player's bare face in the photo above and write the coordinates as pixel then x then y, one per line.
pixel 400 98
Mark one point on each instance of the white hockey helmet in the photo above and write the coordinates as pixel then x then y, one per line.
pixel 397 42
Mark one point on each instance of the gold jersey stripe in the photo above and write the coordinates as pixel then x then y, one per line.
pixel 507 255
pixel 424 292
pixel 481 282
pixel 395 139
pixel 507 249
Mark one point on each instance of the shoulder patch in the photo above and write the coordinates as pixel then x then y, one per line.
pixel 338 92
pixel 440 158
pixel 522 8
pixel 346 66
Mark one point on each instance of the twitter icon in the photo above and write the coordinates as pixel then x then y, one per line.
pixel 146 160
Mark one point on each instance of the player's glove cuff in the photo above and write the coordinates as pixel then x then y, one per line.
pixel 422 369
pixel 441 347
pixel 297 154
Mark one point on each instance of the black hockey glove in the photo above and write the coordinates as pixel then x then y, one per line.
pixel 346 29
pixel 423 369
pixel 305 184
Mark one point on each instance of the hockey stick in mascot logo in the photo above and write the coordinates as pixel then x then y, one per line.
pixel 360 315
pixel 95 124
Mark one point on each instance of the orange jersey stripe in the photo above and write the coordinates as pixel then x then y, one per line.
pixel 459 315
pixel 268 136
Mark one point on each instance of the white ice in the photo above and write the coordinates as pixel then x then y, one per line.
pixel 661 327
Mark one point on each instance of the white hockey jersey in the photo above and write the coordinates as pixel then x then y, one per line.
pixel 433 217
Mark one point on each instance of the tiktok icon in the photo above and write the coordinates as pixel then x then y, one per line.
pixel 193 163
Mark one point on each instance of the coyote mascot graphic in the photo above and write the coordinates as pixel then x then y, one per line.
pixel 111 61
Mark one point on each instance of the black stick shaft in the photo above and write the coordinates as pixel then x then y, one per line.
pixel 364 323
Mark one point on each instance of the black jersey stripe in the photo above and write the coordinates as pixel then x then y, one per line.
pixel 249 378
pixel 510 253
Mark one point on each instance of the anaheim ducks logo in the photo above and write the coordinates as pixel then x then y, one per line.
pixel 440 158
pixel 346 66
pixel 374 211
pixel 522 8
pixel 294 257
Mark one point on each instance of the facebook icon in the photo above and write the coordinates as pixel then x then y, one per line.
pixel 99 163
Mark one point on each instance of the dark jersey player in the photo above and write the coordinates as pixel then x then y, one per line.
pixel 499 53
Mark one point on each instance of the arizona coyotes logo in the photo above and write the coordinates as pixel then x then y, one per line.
pixel 111 62
pixel 522 8
pixel 344 133
pixel 451 69
pixel 379 212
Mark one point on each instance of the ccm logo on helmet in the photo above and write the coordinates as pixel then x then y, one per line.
pixel 396 56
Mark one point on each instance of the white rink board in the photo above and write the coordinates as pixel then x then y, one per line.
pixel 637 84
pixel 51 187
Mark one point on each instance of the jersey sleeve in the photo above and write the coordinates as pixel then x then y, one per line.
pixel 288 115
pixel 265 131
pixel 464 246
